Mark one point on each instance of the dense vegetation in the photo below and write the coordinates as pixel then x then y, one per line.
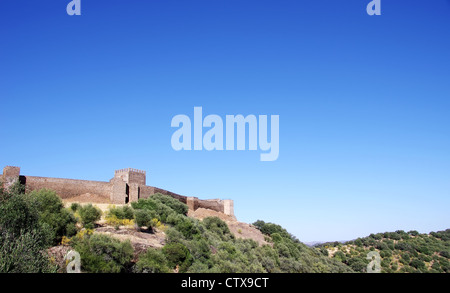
pixel 400 252
pixel 33 222
pixel 30 223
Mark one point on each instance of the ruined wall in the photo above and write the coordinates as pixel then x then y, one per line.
pixel 67 188
pixel 228 207
pixel 212 204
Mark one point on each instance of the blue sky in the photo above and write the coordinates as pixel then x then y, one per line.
pixel 363 102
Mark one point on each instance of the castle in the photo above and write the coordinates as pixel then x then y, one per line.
pixel 127 185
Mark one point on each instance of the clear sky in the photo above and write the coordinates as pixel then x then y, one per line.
pixel 364 103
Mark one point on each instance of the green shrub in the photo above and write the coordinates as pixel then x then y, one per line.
pixel 71 229
pixel 394 236
pixel 289 265
pixel 425 249
pixel 198 267
pixel 424 257
pixel 199 249
pixel 122 213
pixel 436 266
pixel 418 264
pixel 75 206
pixel 17 215
pixel 413 233
pixel 23 236
pixel 217 226
pixel 445 264
pixel 24 253
pixel 104 254
pixel 174 219
pixel 144 218
pixel 228 247
pixel 358 264
pixel 152 261
pixel 173 235
pixel 89 215
pixel 175 204
pixel 177 254
pixel 385 263
pixel 270 228
pixel 52 212
pixel 324 251
pixel 406 257
pixel 339 255
pixel 188 228
pixel 15 189
pixel 358 242
pixel 163 205
pixel 283 250
pixel 276 237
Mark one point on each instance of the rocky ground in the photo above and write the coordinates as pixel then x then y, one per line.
pixel 141 240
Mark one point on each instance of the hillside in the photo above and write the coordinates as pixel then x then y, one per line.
pixel 151 235
pixel 161 235
pixel 400 251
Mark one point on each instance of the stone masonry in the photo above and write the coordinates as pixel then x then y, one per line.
pixel 127 185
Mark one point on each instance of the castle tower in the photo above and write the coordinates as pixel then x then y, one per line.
pixel 10 176
pixel 127 184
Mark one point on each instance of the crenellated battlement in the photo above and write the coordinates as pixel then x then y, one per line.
pixel 127 170
pixel 131 175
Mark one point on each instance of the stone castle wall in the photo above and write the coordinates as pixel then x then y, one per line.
pixel 67 188
pixel 128 185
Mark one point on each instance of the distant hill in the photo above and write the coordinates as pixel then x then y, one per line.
pixel 313 243
pixel 318 243
pixel 400 251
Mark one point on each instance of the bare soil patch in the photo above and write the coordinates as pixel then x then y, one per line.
pixel 140 241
